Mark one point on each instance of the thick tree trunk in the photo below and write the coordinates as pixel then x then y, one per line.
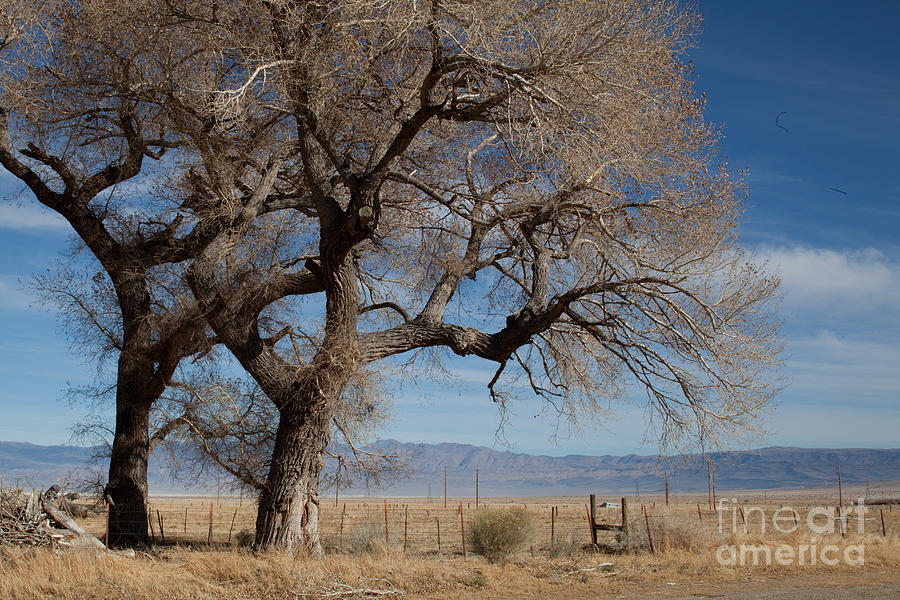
pixel 126 490
pixel 288 516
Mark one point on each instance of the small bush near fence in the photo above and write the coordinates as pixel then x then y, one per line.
pixel 670 532
pixel 365 537
pixel 496 533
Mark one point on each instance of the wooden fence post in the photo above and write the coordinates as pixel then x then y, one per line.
pixel 162 530
pixel 840 514
pixel 625 518
pixel 883 532
pixel 840 489
pixel 386 540
pixel 476 489
pixel 438 519
pixel 552 526
pixel 230 529
pixel 106 535
pixel 209 535
pixel 592 517
pixel 462 529
pixel 587 513
pixel 699 516
pixel 405 524
pixel 341 538
pixel 647 523
pixel 150 523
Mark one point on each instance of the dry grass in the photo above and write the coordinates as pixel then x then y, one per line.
pixel 175 573
pixel 685 555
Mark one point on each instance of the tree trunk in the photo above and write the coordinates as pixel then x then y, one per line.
pixel 126 490
pixel 288 516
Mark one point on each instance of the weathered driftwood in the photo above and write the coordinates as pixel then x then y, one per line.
pixel 25 520
pixel 80 511
pixel 65 521
pixel 66 504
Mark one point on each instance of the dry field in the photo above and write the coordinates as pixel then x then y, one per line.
pixel 360 564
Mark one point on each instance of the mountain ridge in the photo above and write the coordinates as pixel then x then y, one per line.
pixel 508 473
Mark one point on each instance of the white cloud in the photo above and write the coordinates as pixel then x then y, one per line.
pixel 841 326
pixel 828 364
pixel 30 217
pixel 816 278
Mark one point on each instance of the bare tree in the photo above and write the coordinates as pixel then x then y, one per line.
pixel 211 423
pixel 88 95
pixel 543 172
pixel 528 183
pixel 94 91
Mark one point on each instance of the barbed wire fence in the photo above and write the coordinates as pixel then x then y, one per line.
pixel 418 526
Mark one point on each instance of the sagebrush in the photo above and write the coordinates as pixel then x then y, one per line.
pixel 496 533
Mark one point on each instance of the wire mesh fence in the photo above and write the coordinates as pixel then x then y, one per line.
pixel 426 527
pixel 355 526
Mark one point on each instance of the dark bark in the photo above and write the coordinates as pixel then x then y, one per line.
pixel 126 490
pixel 289 505
pixel 288 515
pixel 147 357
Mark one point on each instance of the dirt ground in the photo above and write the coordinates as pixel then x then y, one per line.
pixel 871 586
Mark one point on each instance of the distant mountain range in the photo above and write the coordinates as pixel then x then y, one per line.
pixel 516 474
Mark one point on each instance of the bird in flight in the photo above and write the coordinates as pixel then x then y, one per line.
pixel 839 191
pixel 778 121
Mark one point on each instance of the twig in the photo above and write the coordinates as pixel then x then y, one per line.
pixel 342 590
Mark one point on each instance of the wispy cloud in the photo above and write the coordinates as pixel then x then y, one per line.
pixel 850 280
pixel 832 365
pixel 30 217
pixel 841 326
pixel 764 176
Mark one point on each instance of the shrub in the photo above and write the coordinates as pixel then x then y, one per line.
pixel 566 546
pixel 244 538
pixel 496 533
pixel 670 532
pixel 365 537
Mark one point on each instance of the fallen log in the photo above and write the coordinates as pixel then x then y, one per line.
pixel 882 501
pixel 65 521
pixel 76 510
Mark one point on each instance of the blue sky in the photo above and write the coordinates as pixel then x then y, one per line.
pixel 832 68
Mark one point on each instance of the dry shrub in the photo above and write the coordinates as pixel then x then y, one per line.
pixel 496 533
pixel 365 537
pixel 679 533
pixel 567 546
pixel 669 532
pixel 244 538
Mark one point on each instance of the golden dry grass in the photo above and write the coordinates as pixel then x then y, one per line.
pixel 185 568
